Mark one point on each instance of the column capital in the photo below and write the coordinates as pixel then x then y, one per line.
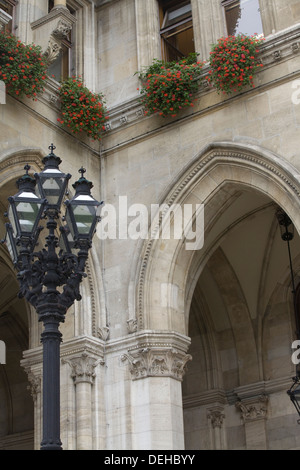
pixel 157 362
pixel 216 416
pixel 83 368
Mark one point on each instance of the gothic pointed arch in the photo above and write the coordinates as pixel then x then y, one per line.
pixel 168 272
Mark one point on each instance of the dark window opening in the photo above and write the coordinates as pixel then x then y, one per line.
pixel 50 5
pixel 177 36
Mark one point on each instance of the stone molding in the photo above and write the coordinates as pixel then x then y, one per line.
pixel 60 13
pixel 281 45
pixel 210 397
pixel 80 345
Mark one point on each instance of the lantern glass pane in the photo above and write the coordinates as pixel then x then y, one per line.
pixel 27 215
pixel 84 218
pixel 52 182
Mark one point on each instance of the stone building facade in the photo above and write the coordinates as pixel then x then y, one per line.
pixel 170 347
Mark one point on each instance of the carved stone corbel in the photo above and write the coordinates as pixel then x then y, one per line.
pixel 50 30
pixel 254 409
pixel 62 29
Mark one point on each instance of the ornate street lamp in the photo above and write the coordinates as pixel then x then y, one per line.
pixel 60 264
pixel 287 234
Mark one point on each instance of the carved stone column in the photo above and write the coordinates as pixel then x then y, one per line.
pixel 83 374
pixel 216 416
pixel 157 368
pixel 32 364
pixel 147 30
pixel 254 414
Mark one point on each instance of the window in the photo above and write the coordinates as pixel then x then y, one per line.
pixel 62 67
pixel 9 7
pixel 243 16
pixel 176 31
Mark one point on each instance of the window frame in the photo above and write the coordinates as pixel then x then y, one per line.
pixel 165 8
pixel 12 13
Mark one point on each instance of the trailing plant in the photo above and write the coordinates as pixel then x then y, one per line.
pixel 168 87
pixel 233 62
pixel 82 110
pixel 22 67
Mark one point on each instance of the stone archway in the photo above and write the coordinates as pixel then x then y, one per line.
pixel 210 294
pixel 168 263
pixel 17 329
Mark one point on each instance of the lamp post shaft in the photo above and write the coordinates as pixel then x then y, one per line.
pixel 51 339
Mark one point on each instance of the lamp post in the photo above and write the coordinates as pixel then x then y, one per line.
pixel 287 234
pixel 50 278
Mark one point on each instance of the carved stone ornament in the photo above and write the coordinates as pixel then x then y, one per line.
pixel 132 325
pixel 34 385
pixel 157 362
pixel 53 50
pixel 62 29
pixel 103 333
pixel 83 368
pixel 216 417
pixel 253 409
